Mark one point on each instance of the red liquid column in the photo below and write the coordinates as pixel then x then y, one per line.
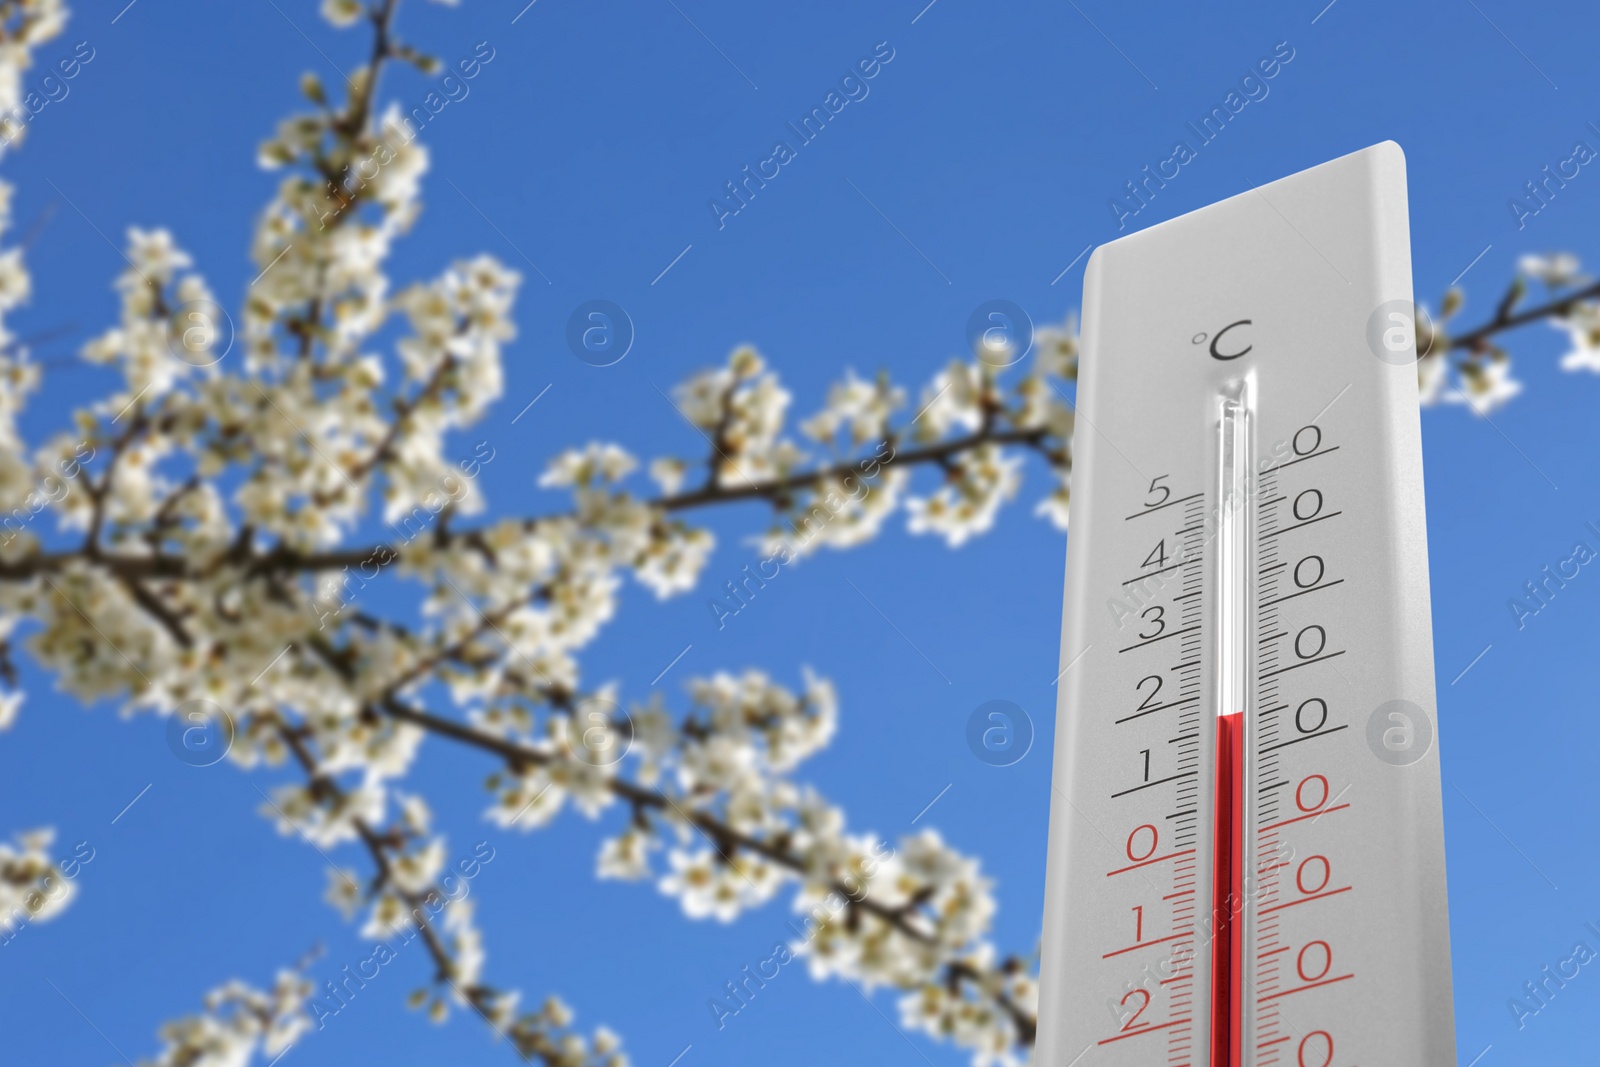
pixel 1227 948
pixel 1232 679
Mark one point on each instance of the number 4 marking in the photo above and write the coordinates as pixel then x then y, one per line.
pixel 1157 556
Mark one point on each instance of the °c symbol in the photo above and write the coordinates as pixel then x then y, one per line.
pixel 1229 355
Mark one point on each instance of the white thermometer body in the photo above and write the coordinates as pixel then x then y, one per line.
pixel 1246 860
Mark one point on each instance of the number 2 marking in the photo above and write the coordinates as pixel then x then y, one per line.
pixel 1137 1011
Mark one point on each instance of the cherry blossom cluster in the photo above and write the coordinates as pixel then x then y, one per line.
pixel 238 1022
pixel 712 791
pixel 1472 369
pixel 24 25
pixel 33 886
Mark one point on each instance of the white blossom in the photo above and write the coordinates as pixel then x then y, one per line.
pixel 342 13
pixel 953 401
pixel 979 483
pixel 33 887
pixel 238 1023
pixel 861 408
pixel 1555 271
pixel 1582 326
pixel 1487 386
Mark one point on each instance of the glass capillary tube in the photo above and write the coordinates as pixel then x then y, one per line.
pixel 1232 670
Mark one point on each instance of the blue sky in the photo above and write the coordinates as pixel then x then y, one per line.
pixel 992 140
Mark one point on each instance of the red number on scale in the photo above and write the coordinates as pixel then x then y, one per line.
pixel 1327 960
pixel 1312 862
pixel 1138 923
pixel 1145 1003
pixel 1309 1043
pixel 1316 781
pixel 1151 851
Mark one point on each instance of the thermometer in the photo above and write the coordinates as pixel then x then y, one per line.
pixel 1246 862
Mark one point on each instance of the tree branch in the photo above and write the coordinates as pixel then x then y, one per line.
pixel 724 837
pixel 1505 320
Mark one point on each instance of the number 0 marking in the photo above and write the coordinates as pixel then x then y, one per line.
pixel 1327 961
pixel 1299 722
pixel 1300 793
pixel 1309 502
pixel 1151 851
pixel 1323 1038
pixel 1300 875
pixel 1301 643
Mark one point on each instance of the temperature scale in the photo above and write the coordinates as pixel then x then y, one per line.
pixel 1246 840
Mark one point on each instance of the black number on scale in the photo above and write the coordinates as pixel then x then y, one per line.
pixel 1312 566
pixel 1308 505
pixel 1309 643
pixel 1145 752
pixel 1157 556
pixel 1159 621
pixel 1315 706
pixel 1156 678
pixel 1156 487
pixel 1316 440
